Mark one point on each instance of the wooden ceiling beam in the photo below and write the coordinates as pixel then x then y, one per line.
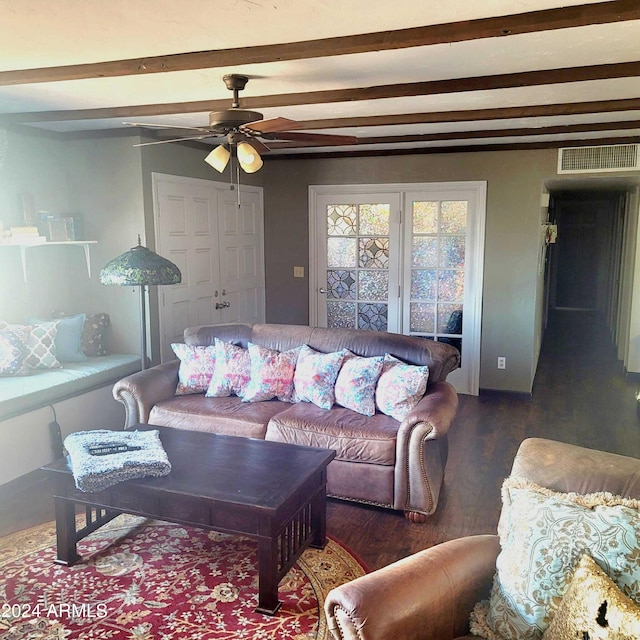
pixel 467 115
pixel 474 135
pixel 493 27
pixel 467 148
pixel 432 87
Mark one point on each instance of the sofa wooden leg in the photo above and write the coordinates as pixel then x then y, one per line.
pixel 415 516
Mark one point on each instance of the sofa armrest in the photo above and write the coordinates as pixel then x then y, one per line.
pixel 421 452
pixel 140 391
pixel 427 596
pixel 437 409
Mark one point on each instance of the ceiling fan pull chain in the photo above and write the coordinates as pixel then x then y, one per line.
pixel 238 181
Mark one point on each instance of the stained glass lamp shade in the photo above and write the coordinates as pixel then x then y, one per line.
pixel 140 267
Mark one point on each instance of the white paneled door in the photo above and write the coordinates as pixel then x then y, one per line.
pixel 218 247
pixel 401 258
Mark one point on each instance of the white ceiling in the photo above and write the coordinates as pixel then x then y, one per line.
pixel 42 33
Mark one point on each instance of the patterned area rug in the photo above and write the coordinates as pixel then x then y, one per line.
pixel 144 579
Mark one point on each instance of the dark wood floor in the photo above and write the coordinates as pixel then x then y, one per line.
pixel 581 395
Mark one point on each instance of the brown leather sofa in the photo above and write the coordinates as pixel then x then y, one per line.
pixel 430 595
pixel 379 460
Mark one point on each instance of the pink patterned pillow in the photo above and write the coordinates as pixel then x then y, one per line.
pixel 271 374
pixel 232 372
pixel 400 387
pixel 196 368
pixel 356 383
pixel 315 376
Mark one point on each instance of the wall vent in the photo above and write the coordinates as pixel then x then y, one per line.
pixel 615 157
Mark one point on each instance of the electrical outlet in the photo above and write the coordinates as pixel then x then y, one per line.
pixel 502 362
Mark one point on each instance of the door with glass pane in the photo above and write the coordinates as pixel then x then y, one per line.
pixel 440 300
pixel 402 258
pixel 357 269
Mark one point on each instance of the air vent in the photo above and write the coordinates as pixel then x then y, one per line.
pixel 617 157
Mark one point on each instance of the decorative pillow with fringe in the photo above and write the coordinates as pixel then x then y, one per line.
pixel 593 607
pixel 542 538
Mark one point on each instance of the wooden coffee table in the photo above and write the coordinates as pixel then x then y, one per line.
pixel 272 492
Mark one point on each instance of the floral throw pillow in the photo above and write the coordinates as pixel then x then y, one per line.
pixel 400 387
pixel 232 371
pixel 13 351
pixel 271 374
pixel 543 535
pixel 356 384
pixel 196 368
pixel 315 376
pixel 94 335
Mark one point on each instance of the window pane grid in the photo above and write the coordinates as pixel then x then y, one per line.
pixel 358 266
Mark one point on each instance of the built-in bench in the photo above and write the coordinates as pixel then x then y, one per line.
pixel 22 394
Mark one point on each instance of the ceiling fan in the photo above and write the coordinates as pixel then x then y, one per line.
pixel 244 132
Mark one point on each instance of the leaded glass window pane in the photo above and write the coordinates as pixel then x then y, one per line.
pixel 374 253
pixel 374 219
pixel 372 316
pixel 425 217
pixel 373 285
pixel 341 315
pixel 454 216
pixel 341 220
pixel 341 252
pixel 341 284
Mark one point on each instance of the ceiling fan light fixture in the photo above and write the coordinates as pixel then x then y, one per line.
pixel 248 157
pixel 219 158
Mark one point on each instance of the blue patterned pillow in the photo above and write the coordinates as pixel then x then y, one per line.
pixel 315 376
pixel 356 383
pixel 271 374
pixel 13 351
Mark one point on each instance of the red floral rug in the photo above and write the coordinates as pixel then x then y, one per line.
pixel 149 580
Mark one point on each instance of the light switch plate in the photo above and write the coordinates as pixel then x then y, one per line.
pixel 298 272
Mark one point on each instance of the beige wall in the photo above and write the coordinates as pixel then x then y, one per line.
pixel 512 280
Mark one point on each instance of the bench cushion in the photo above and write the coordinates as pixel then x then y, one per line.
pixel 44 387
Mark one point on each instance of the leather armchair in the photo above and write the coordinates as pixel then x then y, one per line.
pixel 429 595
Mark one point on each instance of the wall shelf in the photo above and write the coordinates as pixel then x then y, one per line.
pixel 85 244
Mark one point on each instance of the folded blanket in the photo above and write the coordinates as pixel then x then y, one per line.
pixel 102 458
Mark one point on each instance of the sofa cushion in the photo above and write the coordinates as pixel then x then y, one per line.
pixel 226 415
pixel 353 436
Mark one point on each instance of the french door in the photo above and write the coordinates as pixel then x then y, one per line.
pixel 401 258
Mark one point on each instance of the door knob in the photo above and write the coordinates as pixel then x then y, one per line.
pixel 321 290
pixel 220 305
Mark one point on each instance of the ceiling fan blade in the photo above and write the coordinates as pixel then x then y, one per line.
pixel 315 138
pixel 148 125
pixel 200 137
pixel 260 147
pixel 272 124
